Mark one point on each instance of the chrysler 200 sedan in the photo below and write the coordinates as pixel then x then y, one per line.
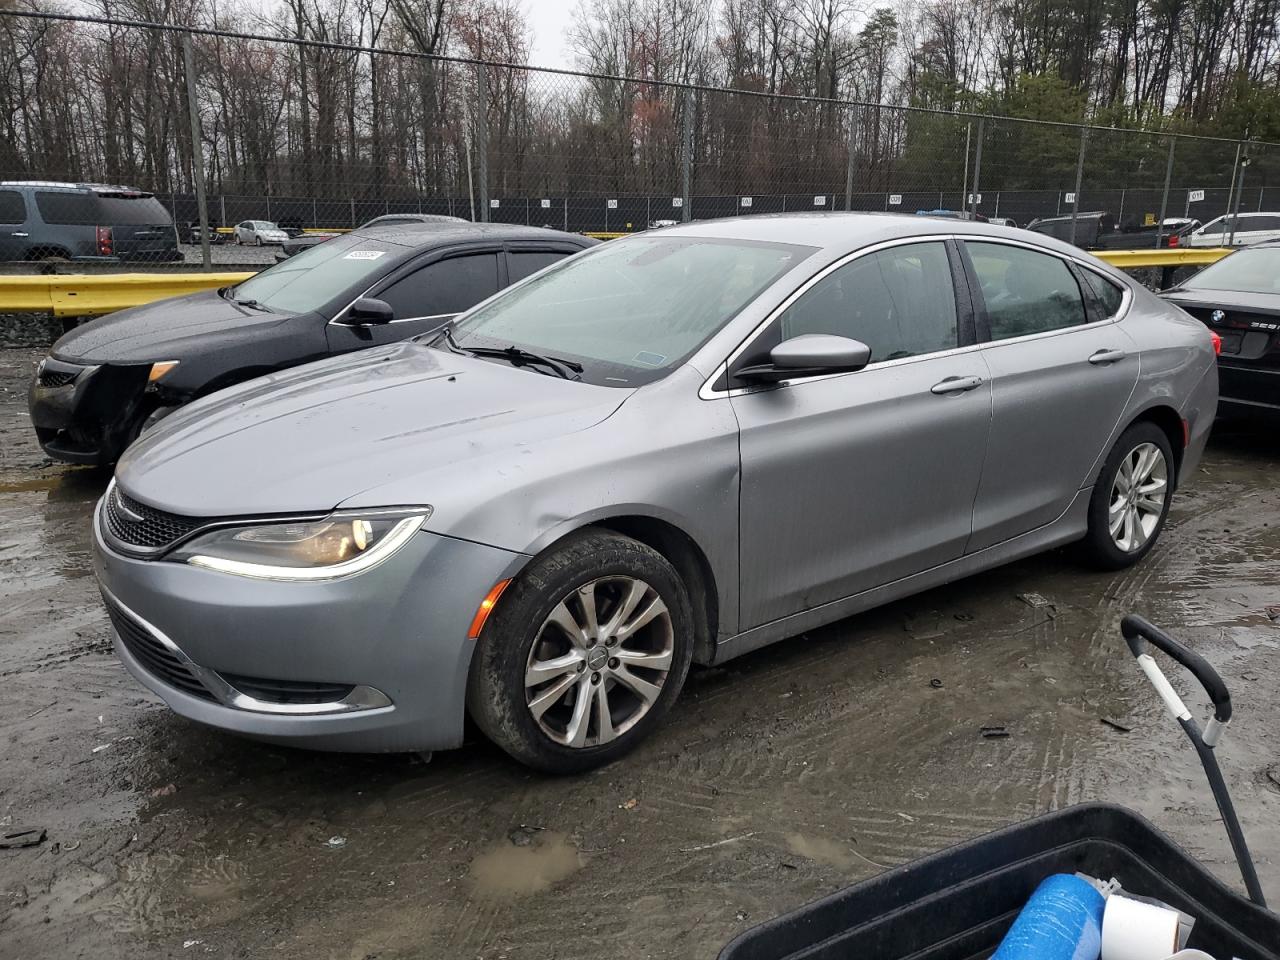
pixel 676 447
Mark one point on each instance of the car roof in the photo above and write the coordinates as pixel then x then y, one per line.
pixel 846 230
pixel 442 234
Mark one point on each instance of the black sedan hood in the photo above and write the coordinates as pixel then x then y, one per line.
pixel 1267 304
pixel 160 330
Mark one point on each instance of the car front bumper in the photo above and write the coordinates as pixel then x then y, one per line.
pixel 85 413
pixel 396 635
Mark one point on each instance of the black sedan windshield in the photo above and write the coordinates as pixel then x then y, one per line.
pixel 312 278
pixel 1255 270
pixel 631 310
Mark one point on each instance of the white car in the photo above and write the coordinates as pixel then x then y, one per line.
pixel 1250 228
pixel 257 232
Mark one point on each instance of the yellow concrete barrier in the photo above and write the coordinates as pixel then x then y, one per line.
pixel 83 295
pixel 1172 257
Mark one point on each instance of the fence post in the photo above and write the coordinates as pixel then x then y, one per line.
pixel 1164 197
pixel 848 171
pixel 1075 205
pixel 1235 170
pixel 315 213
pixel 480 110
pixel 977 170
pixel 686 159
pixel 964 185
pixel 197 148
pixel 1235 211
pixel 222 206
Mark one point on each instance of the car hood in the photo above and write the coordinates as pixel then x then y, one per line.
pixel 1262 303
pixel 155 331
pixel 309 438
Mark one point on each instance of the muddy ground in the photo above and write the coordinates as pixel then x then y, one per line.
pixel 778 778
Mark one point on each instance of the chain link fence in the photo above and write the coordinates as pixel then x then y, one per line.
pixel 315 136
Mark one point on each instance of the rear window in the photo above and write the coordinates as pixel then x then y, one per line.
pixel 12 209
pixel 91 209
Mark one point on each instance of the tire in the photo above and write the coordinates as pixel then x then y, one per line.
pixel 528 626
pixel 1139 517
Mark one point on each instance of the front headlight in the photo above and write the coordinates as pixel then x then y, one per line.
pixel 339 545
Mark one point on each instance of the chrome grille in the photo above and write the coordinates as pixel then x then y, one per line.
pixel 138 525
pixel 154 657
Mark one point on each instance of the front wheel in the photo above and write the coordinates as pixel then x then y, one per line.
pixel 1130 498
pixel 583 655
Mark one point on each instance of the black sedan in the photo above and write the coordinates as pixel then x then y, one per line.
pixel 107 380
pixel 1239 299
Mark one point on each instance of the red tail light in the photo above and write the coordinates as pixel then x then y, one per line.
pixel 1217 343
pixel 1173 240
pixel 105 248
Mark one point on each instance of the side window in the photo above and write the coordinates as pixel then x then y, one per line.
pixel 524 263
pixel 13 209
pixel 66 208
pixel 1108 294
pixel 1025 292
pixel 900 302
pixel 1260 223
pixel 1216 226
pixel 444 287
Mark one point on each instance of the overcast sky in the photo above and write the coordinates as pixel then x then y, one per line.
pixel 549 18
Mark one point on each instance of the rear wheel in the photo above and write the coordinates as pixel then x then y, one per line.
pixel 1131 498
pixel 583 655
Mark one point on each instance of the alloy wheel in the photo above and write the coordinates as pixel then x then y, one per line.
pixel 1138 496
pixel 599 661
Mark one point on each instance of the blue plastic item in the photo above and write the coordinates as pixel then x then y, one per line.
pixel 1061 921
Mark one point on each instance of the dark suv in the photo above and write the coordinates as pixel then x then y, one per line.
pixel 41 220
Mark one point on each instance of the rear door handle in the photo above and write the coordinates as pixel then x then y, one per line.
pixel 1107 356
pixel 19 234
pixel 956 384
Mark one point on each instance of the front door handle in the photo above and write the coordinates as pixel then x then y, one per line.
pixel 17 233
pixel 956 384
pixel 1107 356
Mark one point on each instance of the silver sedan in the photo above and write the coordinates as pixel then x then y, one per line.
pixel 674 448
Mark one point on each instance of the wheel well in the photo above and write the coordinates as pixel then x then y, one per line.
pixel 690 562
pixel 1167 419
pixel 46 250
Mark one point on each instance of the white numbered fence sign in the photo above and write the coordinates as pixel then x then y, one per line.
pixel 895 199
pixel 746 201
pixel 1195 196
pixel 611 204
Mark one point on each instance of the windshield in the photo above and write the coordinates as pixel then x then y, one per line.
pixel 632 310
pixel 1255 270
pixel 310 279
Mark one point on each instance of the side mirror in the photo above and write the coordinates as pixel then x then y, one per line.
pixel 809 354
pixel 368 311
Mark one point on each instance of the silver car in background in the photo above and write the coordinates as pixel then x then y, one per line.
pixel 676 447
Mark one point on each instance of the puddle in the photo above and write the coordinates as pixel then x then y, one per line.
pixel 822 850
pixel 511 871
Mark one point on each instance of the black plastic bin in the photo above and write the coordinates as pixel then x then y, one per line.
pixel 958 904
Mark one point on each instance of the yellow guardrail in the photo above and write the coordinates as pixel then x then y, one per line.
pixel 1174 257
pixel 86 295
pixel 82 295
pixel 604 235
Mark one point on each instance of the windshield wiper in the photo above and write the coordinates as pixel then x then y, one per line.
pixel 519 357
pixel 516 356
pixel 254 304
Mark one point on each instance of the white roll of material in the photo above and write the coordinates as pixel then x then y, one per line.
pixel 1134 930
